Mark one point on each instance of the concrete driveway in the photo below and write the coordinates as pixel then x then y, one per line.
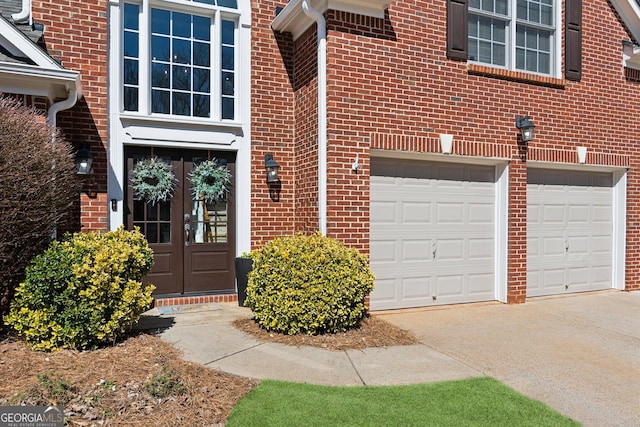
pixel 579 354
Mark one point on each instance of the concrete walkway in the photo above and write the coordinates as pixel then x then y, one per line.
pixel 579 354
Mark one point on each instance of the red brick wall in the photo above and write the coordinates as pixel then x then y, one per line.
pixel 272 127
pixel 392 87
pixel 75 32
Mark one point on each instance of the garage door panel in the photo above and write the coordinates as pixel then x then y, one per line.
pixel 443 228
pixel 383 212
pixel 553 214
pixel 418 213
pixel 416 250
pixel 479 283
pixel 481 249
pixel 574 237
pixel 481 213
pixel 450 285
pixel 450 213
pixel 383 251
pixel 416 288
pixel 579 214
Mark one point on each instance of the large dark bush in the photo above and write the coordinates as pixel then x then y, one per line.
pixel 37 187
pixel 308 284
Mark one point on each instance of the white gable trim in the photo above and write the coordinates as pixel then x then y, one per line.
pixel 292 18
pixel 19 44
pixel 629 11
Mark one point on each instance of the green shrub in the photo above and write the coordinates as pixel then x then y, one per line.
pixel 84 291
pixel 308 284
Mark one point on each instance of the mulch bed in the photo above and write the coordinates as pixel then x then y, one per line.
pixel 107 386
pixel 372 332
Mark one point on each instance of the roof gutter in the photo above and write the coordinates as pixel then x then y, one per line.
pixel 322 113
pixel 24 16
pixel 65 104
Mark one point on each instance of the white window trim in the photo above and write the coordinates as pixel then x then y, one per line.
pixel 556 42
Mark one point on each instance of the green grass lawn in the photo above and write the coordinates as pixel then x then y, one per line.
pixel 473 402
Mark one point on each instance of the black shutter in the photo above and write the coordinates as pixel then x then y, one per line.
pixel 573 40
pixel 457 29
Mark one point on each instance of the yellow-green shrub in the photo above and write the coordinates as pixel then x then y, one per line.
pixel 84 291
pixel 308 284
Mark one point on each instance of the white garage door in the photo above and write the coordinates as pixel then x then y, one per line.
pixel 569 231
pixel 432 233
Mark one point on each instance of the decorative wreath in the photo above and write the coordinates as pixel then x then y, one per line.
pixel 210 181
pixel 152 180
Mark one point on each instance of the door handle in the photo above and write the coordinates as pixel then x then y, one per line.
pixel 187 234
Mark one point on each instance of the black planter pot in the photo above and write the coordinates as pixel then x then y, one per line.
pixel 243 267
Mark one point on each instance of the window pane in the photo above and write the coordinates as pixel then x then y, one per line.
pixel 181 24
pixel 499 33
pixel 160 20
pixel 130 98
pixel 205 1
pixel 534 12
pixel 181 51
pixel 499 55
pixel 160 75
pixel 228 29
pixel 138 210
pixel 484 52
pixel 487 5
pixel 473 50
pixel 201 54
pixel 227 58
pixel 165 233
pixel 522 9
pixel 546 13
pixel 544 40
pixel 544 63
pixel 202 28
pixel 228 3
pixel 201 80
pixel 201 105
pixel 152 233
pixel 532 39
pixel 520 59
pixel 181 78
pixel 227 83
pixel 181 104
pixel 131 71
pixel 484 27
pixel 502 7
pixel 531 60
pixel 165 211
pixel 227 108
pixel 160 101
pixel 131 44
pixel 474 4
pixel 160 50
pixel 131 12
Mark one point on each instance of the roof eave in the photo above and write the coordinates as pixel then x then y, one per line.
pixel 292 18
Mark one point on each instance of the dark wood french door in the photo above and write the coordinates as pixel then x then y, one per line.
pixel 193 241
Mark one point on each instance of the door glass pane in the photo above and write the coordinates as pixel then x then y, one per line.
pixel 209 221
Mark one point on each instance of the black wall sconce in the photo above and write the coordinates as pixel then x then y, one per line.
pixel 84 160
pixel 526 127
pixel 273 177
pixel 272 168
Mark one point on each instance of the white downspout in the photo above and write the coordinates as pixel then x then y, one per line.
pixel 322 113
pixel 62 105
pixel 24 16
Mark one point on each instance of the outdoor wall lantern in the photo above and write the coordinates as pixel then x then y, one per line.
pixel 84 159
pixel 272 168
pixel 526 127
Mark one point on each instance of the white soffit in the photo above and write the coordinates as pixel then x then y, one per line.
pixel 292 18
pixel 629 11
